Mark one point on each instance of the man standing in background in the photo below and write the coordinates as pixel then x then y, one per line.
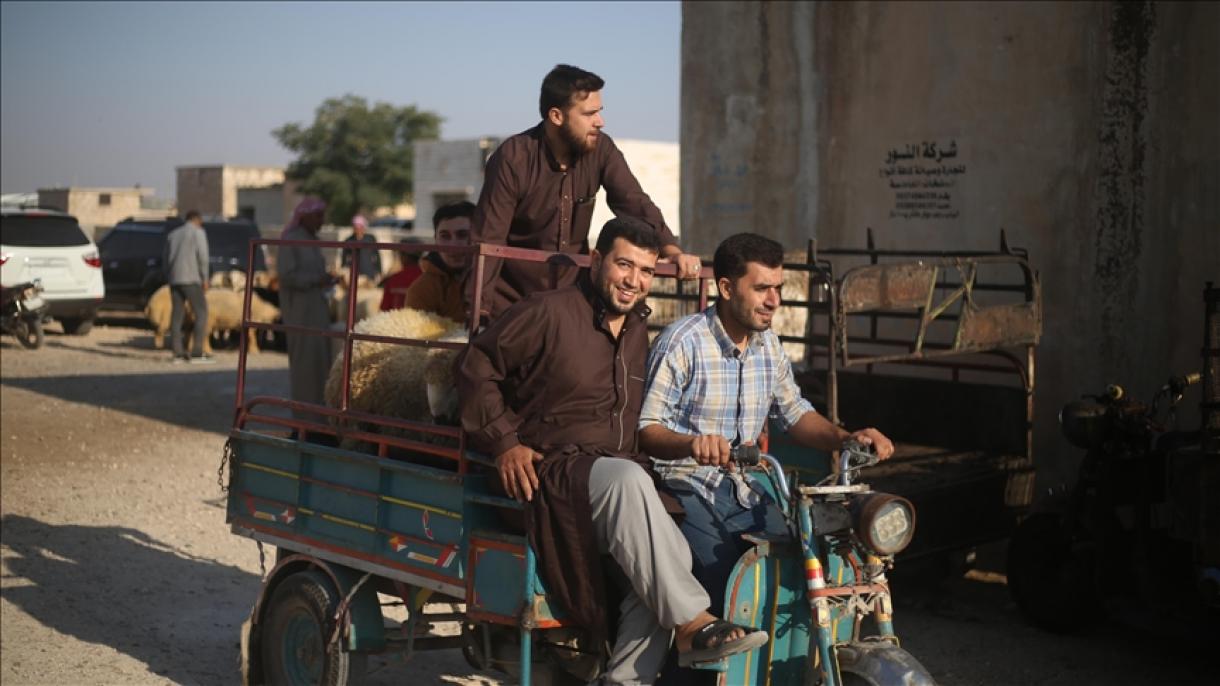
pixel 368 259
pixel 185 260
pixel 304 281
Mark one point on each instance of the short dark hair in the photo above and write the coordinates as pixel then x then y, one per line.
pixel 736 250
pixel 193 214
pixel 635 231
pixel 460 208
pixel 563 83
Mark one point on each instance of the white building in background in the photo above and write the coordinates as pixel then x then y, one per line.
pixel 99 209
pixel 446 171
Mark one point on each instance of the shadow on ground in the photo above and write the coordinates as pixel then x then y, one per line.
pixel 161 395
pixel 178 613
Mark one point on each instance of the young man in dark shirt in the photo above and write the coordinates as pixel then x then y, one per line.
pixel 553 390
pixel 540 186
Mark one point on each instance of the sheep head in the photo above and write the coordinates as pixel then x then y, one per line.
pixel 438 380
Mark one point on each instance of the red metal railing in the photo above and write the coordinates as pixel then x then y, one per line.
pixel 342 419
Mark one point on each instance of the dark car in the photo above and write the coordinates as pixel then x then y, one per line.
pixel 392 223
pixel 131 256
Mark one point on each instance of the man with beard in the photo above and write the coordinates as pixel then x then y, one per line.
pixel 552 389
pixel 713 378
pixel 540 186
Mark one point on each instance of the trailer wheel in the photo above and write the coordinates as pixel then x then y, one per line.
pixel 296 629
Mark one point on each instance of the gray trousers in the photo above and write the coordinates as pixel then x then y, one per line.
pixel 180 292
pixel 631 524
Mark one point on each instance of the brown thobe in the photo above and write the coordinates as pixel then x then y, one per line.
pixel 549 374
pixel 529 201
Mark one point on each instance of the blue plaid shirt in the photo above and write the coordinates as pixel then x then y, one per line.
pixel 699 383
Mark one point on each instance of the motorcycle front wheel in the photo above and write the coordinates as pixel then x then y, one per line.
pixel 869 663
pixel 29 333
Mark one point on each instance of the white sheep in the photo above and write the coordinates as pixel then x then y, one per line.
pixel 396 380
pixel 235 279
pixel 368 303
pixel 224 313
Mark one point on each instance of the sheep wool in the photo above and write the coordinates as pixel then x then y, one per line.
pixel 390 379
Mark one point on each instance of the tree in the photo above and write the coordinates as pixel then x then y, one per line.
pixel 355 157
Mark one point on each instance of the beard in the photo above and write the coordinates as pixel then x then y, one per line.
pixel 577 146
pixel 743 313
pixel 607 291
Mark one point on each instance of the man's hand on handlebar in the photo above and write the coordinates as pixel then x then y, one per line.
pixel 517 475
pixel 713 451
pixel 882 445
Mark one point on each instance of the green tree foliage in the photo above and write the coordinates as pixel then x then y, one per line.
pixel 354 156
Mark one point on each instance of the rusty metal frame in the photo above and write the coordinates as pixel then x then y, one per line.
pixel 1013 336
pixel 343 419
pixel 889 289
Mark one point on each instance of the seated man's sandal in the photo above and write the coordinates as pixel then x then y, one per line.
pixel 710 644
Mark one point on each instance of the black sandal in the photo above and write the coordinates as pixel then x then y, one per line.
pixel 710 644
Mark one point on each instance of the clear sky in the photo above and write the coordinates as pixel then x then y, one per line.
pixel 115 94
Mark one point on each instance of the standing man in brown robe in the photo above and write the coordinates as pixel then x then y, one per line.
pixel 540 186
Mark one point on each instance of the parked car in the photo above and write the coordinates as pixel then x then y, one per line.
pixel 392 223
pixel 131 255
pixel 51 247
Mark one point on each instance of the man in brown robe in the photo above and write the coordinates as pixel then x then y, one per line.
pixel 553 389
pixel 540 186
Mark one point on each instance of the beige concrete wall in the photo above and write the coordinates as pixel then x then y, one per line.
pixel 201 189
pixel 235 178
pixel 212 189
pixel 86 205
pixel 455 168
pixel 448 169
pixel 1087 131
pixel 655 165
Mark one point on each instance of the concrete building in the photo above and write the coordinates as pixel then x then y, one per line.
pixel 99 209
pixel 655 165
pixel 446 171
pixel 223 190
pixel 1086 130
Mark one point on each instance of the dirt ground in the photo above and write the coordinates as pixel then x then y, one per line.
pixel 118 568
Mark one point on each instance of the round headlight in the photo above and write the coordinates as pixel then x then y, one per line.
pixel 1084 423
pixel 885 523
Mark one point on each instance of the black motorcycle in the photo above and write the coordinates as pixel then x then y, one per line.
pixel 22 310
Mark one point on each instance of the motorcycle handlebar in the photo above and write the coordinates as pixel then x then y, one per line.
pixel 1178 384
pixel 856 455
pixel 745 455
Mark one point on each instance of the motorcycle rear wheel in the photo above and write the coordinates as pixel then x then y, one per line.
pixel 29 333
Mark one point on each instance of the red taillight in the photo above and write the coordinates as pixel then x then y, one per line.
pixel 93 260
pixel 4 258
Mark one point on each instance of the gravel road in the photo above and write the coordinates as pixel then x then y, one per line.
pixel 117 566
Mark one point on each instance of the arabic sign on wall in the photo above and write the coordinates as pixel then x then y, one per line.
pixel 924 184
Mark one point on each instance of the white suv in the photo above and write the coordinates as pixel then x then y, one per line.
pixel 50 246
